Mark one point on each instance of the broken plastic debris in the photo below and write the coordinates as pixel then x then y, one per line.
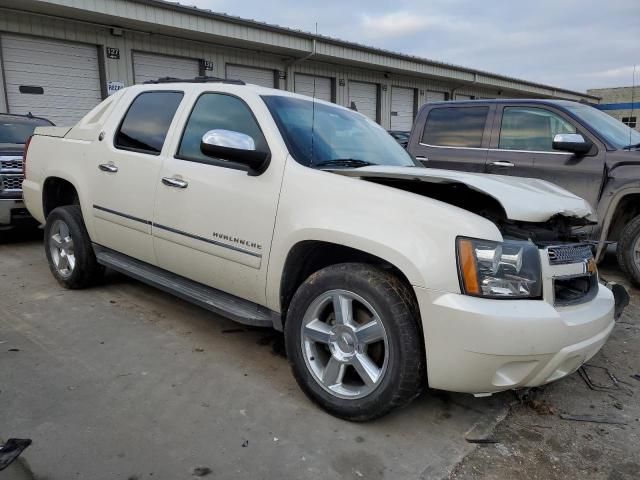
pixel 201 471
pixel 482 440
pixel 12 450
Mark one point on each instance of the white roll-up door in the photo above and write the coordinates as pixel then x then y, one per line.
pixel 402 105
pixel 150 66
pixel 50 78
pixel 257 76
pixel 304 85
pixel 460 96
pixel 430 96
pixel 365 98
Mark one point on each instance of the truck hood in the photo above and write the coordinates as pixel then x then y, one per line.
pixel 523 199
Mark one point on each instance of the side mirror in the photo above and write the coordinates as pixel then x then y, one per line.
pixel 571 142
pixel 234 147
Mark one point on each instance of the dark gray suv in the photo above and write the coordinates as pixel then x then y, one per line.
pixel 570 144
pixel 14 132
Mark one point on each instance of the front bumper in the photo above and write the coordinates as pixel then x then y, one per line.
pixel 479 345
pixel 13 212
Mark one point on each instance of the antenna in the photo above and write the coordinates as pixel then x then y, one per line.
pixel 633 91
pixel 313 107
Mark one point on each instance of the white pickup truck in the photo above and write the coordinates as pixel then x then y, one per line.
pixel 279 211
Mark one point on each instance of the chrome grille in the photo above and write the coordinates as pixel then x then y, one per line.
pixel 564 254
pixel 11 182
pixel 11 164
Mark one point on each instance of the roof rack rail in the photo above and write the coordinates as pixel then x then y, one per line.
pixel 195 80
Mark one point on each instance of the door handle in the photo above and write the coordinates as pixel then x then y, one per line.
pixel 422 159
pixel 500 163
pixel 174 182
pixel 108 167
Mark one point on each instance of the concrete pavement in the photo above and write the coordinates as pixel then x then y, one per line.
pixel 122 381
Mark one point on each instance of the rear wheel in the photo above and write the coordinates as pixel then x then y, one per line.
pixel 353 341
pixel 68 248
pixel 628 251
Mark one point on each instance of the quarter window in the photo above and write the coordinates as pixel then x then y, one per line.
pixel 455 126
pixel 146 123
pixel 531 129
pixel 214 111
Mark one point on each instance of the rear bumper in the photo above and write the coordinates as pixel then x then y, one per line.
pixel 478 345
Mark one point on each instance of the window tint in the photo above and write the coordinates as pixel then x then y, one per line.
pixel 455 126
pixel 218 111
pixel 147 121
pixel 531 129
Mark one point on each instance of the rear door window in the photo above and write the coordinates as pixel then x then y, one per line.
pixel 455 126
pixel 146 123
pixel 531 129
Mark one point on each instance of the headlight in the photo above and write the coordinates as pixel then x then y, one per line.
pixel 509 269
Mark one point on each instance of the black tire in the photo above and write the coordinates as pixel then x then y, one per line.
pixel 86 270
pixel 405 374
pixel 625 251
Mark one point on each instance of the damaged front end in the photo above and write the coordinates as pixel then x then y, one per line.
pixel 521 208
pixel 544 253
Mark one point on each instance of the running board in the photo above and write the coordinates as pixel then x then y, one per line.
pixel 225 304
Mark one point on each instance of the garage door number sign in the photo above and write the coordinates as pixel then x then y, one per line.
pixel 114 86
pixel 113 53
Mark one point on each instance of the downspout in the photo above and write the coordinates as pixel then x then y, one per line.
pixel 306 57
pixel 293 62
pixel 454 90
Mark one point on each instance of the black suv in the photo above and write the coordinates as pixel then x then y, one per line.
pixel 571 144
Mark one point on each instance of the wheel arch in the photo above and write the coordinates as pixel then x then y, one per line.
pixel 614 217
pixel 627 208
pixel 308 256
pixel 58 192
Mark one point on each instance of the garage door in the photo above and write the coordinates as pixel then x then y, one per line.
pixel 402 103
pixel 49 78
pixel 434 96
pixel 304 85
pixel 257 76
pixel 365 98
pixel 460 96
pixel 150 66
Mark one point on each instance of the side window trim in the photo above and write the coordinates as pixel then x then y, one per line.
pixel 124 116
pixel 483 141
pixel 213 161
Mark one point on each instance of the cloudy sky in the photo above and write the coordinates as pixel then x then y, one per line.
pixel 567 43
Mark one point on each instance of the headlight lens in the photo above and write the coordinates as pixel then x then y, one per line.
pixel 509 269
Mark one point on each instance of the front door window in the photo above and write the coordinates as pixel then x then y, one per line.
pixel 531 129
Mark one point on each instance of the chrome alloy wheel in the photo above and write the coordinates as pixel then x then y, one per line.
pixel 636 252
pixel 61 248
pixel 344 344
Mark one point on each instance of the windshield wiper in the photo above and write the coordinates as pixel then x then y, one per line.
pixel 633 145
pixel 344 162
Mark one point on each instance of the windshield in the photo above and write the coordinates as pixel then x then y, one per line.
pixel 340 136
pixel 614 131
pixel 17 130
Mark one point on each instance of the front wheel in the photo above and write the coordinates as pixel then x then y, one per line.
pixel 353 341
pixel 628 251
pixel 68 247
